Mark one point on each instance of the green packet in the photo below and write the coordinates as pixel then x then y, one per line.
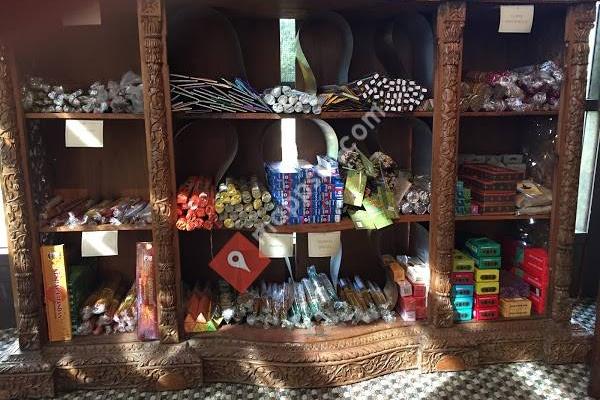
pixel 354 189
pixel 376 212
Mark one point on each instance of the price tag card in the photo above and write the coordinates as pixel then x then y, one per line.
pixel 516 19
pixel 84 133
pixel 99 244
pixel 325 244
pixel 276 245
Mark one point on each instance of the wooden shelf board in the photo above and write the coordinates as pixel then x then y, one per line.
pixel 113 338
pixel 314 334
pixel 499 217
pixel 82 115
pixel 94 228
pixel 533 317
pixel 323 115
pixel 552 113
pixel 345 224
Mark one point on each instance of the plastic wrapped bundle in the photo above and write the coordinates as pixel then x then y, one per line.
pixel 352 297
pixel 300 314
pixel 364 292
pixel 383 304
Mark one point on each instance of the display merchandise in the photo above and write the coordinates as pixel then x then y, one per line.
pixel 56 297
pixel 124 96
pixel 200 95
pixel 58 212
pixel 413 286
pixel 292 304
pixel 243 204
pixel 304 193
pixel 534 87
pixel 374 92
pixel 109 308
pixel 196 205
pixel 284 99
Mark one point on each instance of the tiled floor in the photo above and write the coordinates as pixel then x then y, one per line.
pixel 527 381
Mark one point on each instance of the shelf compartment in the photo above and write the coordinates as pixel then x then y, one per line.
pixel 323 115
pixel 500 217
pixel 82 115
pixel 95 228
pixel 113 338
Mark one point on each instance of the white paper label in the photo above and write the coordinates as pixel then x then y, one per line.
pixel 516 19
pixel 323 244
pixel 276 245
pixel 84 133
pixel 83 12
pixel 99 244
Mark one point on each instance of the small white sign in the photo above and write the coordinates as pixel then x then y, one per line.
pixel 99 244
pixel 84 133
pixel 276 245
pixel 324 244
pixel 516 19
pixel 83 12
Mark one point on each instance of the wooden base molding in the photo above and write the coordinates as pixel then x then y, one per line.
pixel 321 359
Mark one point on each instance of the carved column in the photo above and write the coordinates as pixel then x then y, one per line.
pixel 580 19
pixel 450 23
pixel 17 209
pixel 159 142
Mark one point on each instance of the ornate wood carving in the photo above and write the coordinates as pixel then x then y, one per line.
pixel 17 211
pixel 580 19
pixel 450 23
pixel 159 141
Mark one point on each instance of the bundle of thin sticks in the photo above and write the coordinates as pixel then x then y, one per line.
pixel 396 95
pixel 196 205
pixel 284 99
pixel 200 95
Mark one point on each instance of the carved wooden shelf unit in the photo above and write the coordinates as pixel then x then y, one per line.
pixel 151 160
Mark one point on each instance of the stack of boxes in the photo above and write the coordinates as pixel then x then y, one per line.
pixel 306 193
pixel 462 199
pixel 493 188
pixel 412 290
pixel 462 279
pixel 488 261
pixel 536 274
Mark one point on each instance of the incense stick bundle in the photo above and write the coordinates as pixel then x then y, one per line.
pixel 196 205
pixel 200 95
pixel 242 204
pixel 284 99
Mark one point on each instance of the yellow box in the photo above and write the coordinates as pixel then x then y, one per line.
pixel 397 270
pixel 487 287
pixel 56 296
pixel 487 275
pixel 516 307
pixel 462 262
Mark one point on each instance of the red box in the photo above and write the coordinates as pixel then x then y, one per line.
pixel 486 300
pixel 538 304
pixel 421 302
pixel 489 196
pixel 461 278
pixel 419 289
pixel 493 173
pixel 537 287
pixel 408 303
pixel 486 314
pixel 421 312
pixel 535 263
pixel 474 182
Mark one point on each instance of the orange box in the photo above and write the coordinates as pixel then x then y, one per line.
pixel 56 296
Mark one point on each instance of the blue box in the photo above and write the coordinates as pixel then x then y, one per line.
pixel 462 290
pixel 462 302
pixel 463 314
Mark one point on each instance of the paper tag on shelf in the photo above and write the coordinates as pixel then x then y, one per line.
pixel 84 133
pixel 325 244
pixel 276 245
pixel 99 244
pixel 516 19
pixel 83 12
